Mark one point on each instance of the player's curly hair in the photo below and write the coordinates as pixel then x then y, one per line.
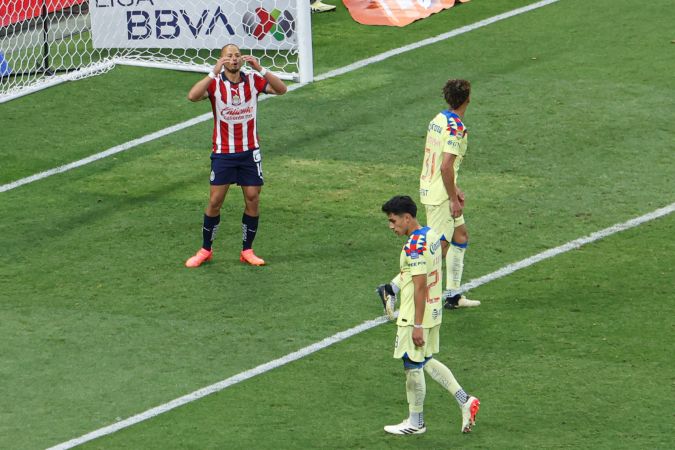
pixel 399 205
pixel 456 92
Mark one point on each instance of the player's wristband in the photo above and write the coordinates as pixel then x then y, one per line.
pixel 211 75
pixel 418 325
pixel 264 71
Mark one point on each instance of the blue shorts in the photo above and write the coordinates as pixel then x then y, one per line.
pixel 244 168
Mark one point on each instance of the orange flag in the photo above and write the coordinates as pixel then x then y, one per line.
pixel 398 13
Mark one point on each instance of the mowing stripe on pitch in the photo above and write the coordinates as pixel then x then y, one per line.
pixel 341 336
pixel 333 73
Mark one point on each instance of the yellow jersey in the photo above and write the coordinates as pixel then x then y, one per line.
pixel 446 134
pixel 421 255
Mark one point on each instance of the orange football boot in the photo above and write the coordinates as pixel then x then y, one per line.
pixel 249 257
pixel 201 256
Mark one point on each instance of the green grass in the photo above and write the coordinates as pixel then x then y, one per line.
pixel 558 365
pixel 130 102
pixel 101 320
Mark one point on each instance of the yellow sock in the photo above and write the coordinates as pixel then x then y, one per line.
pixel 454 263
pixel 443 376
pixel 416 390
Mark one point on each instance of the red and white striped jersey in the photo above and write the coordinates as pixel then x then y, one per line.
pixel 234 112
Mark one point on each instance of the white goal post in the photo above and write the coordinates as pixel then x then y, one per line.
pixel 47 42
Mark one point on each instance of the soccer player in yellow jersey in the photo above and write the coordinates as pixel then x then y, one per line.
pixel 420 315
pixel 445 148
pixel 447 139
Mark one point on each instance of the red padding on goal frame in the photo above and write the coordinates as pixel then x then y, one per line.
pixel 20 10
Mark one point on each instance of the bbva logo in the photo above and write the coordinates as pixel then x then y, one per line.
pixel 278 24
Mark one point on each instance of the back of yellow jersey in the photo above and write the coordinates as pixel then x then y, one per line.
pixel 421 255
pixel 446 134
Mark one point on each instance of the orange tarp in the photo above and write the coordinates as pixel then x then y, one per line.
pixel 398 13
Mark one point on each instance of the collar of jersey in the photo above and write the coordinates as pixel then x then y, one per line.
pixel 419 231
pixel 450 115
pixel 242 74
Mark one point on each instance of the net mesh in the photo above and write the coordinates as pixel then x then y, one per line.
pixel 46 42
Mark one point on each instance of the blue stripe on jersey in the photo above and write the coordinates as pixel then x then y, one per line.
pixel 421 231
pixel 455 123
pixel 450 115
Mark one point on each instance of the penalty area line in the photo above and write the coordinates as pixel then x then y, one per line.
pixel 343 335
pixel 331 74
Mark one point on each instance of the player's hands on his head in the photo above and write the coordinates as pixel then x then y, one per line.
pixel 219 65
pixel 253 62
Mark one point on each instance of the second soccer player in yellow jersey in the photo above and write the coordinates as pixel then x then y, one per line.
pixel 444 150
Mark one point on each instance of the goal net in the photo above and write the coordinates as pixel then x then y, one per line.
pixel 46 42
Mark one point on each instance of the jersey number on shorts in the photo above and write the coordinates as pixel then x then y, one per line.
pixel 258 162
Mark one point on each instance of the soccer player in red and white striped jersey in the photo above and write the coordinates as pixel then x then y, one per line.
pixel 235 156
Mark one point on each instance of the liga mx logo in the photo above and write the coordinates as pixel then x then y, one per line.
pixel 278 24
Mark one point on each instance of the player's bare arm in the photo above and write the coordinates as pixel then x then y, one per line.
pixel 448 175
pixel 275 86
pixel 420 285
pixel 200 90
pixel 460 196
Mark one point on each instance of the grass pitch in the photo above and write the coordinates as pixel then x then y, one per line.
pixel 572 126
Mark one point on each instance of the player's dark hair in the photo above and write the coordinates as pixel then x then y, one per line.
pixel 399 205
pixel 456 92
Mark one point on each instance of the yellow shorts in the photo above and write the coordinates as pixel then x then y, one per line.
pixel 440 219
pixel 404 343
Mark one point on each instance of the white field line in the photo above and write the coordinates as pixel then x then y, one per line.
pixel 106 153
pixel 566 247
pixel 433 40
pixel 304 351
pixel 343 335
pixel 334 73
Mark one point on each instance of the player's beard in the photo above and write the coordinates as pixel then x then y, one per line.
pixel 233 70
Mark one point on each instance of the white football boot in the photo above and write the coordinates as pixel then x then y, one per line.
pixel 464 302
pixel 469 411
pixel 405 428
pixel 318 7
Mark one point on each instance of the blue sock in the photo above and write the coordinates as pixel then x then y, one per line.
pixel 209 230
pixel 249 227
pixel 461 397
